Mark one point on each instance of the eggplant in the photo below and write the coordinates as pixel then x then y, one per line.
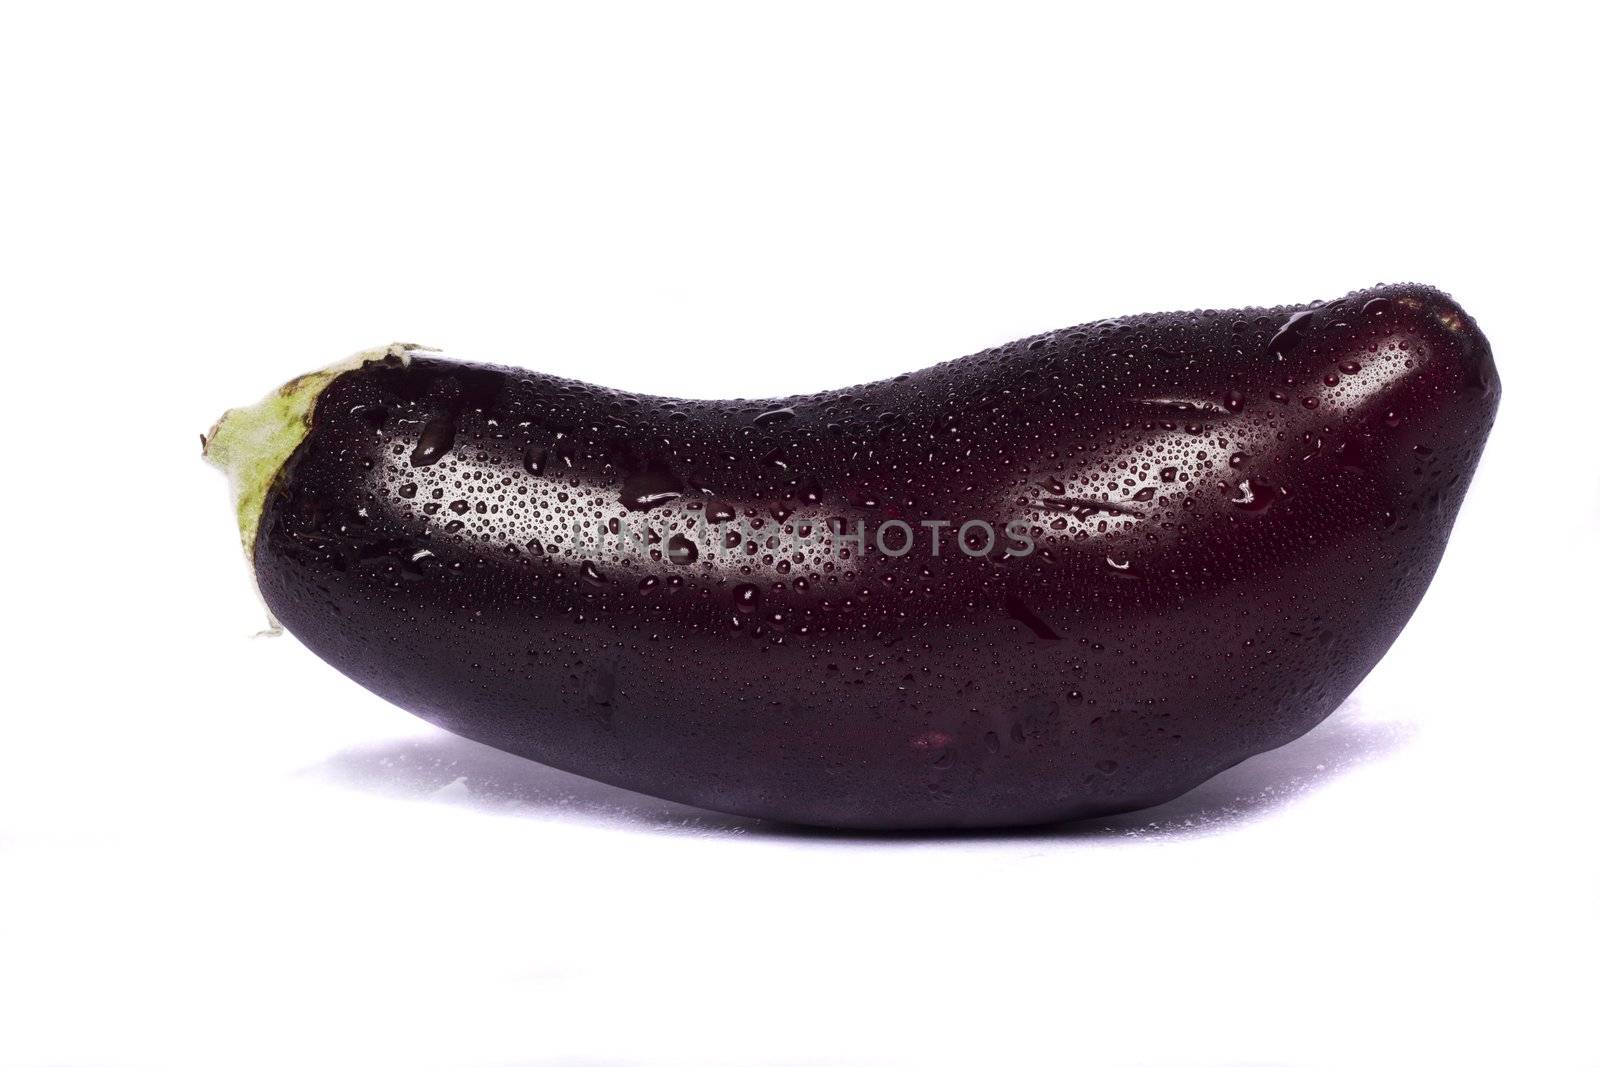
pixel 1072 576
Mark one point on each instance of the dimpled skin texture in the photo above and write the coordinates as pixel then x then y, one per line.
pixel 1231 513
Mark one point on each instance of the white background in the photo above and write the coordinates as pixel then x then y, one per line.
pixel 215 850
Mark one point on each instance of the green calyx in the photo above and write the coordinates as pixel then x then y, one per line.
pixel 251 444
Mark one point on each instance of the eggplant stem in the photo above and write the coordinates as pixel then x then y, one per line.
pixel 251 444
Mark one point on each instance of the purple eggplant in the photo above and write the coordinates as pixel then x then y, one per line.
pixel 1075 575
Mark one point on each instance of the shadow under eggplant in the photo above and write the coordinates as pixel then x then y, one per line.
pixel 446 768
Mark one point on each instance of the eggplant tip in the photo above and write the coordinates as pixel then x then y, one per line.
pixel 251 444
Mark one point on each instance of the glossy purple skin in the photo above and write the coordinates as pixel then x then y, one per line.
pixel 1232 514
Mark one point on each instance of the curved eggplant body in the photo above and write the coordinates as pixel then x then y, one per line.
pixel 1068 577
